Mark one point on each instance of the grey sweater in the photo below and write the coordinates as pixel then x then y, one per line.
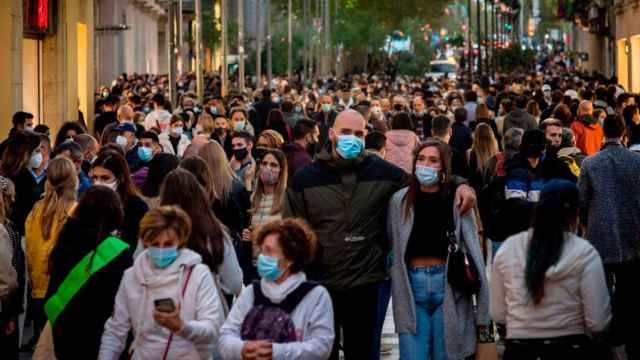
pixel 460 321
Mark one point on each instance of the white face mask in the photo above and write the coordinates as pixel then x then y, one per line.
pixel 111 185
pixel 121 140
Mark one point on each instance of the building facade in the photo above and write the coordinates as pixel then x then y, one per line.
pixel 129 37
pixel 47 65
pixel 627 43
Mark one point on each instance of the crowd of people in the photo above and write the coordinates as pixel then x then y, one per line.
pixel 278 223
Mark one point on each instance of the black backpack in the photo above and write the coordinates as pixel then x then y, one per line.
pixel 272 322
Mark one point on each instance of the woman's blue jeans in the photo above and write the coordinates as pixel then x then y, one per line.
pixel 427 286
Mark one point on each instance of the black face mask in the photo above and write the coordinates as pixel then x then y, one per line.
pixel 312 148
pixel 219 131
pixel 398 107
pixel 240 154
pixel 259 152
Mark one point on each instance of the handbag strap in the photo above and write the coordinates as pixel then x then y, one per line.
pixel 454 229
pixel 184 289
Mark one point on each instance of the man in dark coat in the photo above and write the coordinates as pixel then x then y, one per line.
pixel 263 108
pixel 344 195
pixel 305 139
pixel 325 118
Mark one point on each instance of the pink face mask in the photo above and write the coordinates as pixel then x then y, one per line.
pixel 269 176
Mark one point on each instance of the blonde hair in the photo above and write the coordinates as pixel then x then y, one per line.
pixel 484 144
pixel 60 192
pixel 223 175
pixel 165 218
pixel 482 112
pixel 274 139
pixel 206 122
pixel 533 108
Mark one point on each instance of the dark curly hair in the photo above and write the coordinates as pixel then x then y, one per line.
pixel 298 241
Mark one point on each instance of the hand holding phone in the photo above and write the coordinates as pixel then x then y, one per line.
pixel 167 314
pixel 165 305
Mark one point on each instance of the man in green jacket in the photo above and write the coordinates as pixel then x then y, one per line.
pixel 344 196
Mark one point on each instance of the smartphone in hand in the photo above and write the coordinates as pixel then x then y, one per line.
pixel 165 305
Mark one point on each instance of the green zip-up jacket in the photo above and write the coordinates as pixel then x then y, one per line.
pixel 345 202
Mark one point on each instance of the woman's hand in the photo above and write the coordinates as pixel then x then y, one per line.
pixel 465 198
pixel 246 234
pixel 257 350
pixel 170 320
pixel 486 351
pixel 249 175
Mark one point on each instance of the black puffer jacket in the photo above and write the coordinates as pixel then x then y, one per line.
pixel 345 202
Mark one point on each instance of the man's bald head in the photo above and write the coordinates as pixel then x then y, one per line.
pixel 349 122
pixel 125 113
pixel 350 116
pixel 585 108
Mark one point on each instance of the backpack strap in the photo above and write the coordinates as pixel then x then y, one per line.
pixel 290 302
pixel 258 296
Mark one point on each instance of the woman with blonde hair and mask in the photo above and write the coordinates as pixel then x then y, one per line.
pixel 42 227
pixel 168 298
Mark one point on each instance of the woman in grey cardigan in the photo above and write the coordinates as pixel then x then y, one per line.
pixel 433 320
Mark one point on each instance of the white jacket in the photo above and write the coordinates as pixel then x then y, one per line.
pixel 200 309
pixel 576 300
pixel 168 148
pixel 312 318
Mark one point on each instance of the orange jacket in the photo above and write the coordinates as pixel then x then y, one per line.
pixel 588 137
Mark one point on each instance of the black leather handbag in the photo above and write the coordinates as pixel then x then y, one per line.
pixel 462 273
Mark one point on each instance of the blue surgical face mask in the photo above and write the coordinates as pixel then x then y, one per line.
pixel 427 176
pixel 145 153
pixel 239 125
pixel 349 146
pixel 213 110
pixel 177 130
pixel 268 268
pixel 36 160
pixel 163 257
pixel 326 108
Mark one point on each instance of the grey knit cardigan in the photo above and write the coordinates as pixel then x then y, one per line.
pixel 460 320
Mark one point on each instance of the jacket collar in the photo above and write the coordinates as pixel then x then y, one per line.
pixel 611 143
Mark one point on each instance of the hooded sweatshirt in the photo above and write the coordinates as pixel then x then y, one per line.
pixel 200 310
pixel 576 300
pixel 588 133
pixel 400 146
pixel 519 118
pixel 312 318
